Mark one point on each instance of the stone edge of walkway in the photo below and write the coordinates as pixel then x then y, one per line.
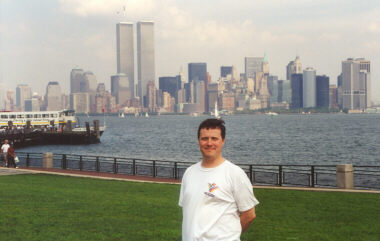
pixel 144 179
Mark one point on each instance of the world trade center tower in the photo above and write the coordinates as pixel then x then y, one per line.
pixel 145 57
pixel 125 54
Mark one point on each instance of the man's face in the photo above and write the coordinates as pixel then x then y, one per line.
pixel 211 143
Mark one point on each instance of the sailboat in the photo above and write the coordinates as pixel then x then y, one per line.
pixel 146 114
pixel 216 113
pixel 121 115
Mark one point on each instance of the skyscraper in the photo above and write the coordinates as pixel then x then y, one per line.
pixel 225 70
pixel 151 96
pixel 297 90
pixel 53 96
pixel 294 67
pixel 170 84
pixel 145 57
pixel 323 91
pixel 23 92
pixel 119 88
pixel 309 88
pixel 356 84
pixel 252 66
pixel 200 96
pixel 76 76
pixel 125 54
pixel 197 72
pixel 333 97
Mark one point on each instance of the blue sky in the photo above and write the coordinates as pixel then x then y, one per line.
pixel 41 41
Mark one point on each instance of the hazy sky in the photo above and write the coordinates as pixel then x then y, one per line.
pixel 42 40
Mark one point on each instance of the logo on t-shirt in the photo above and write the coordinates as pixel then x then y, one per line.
pixel 211 188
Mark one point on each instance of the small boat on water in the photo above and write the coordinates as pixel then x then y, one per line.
pixel 271 113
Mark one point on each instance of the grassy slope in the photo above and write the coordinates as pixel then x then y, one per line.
pixel 48 207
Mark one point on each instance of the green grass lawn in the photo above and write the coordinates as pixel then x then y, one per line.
pixel 50 207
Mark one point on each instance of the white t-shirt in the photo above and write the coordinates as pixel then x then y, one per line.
pixel 211 201
pixel 4 148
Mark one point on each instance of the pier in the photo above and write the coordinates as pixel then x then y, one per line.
pixel 64 135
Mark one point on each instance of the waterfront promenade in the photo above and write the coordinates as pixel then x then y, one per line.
pixel 123 177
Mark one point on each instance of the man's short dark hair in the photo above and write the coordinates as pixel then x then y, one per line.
pixel 213 124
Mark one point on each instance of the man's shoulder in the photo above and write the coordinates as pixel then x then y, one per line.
pixel 193 166
pixel 233 168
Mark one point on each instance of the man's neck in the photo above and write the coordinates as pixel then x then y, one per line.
pixel 211 163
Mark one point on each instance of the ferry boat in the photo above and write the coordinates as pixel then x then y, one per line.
pixel 38 118
pixel 47 127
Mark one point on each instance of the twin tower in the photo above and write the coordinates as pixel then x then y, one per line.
pixel 145 56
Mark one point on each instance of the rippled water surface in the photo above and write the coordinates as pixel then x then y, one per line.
pixel 282 139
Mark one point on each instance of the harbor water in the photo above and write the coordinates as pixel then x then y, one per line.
pixel 318 139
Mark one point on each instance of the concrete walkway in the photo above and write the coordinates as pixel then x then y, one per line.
pixel 124 177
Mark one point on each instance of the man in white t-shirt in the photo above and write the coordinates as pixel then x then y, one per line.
pixel 4 151
pixel 216 196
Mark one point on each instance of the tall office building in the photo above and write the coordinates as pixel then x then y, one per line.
pixel 120 88
pixel 32 104
pixel 170 84
pixel 272 80
pixel 80 102
pixel 88 82
pixel 200 96
pixel 294 67
pixel 189 90
pixel 356 84
pixel 145 57
pixel 197 72
pixel 225 70
pixel 284 91
pixel 274 93
pixel 53 97
pixel 151 96
pixel 323 91
pixel 309 88
pixel 83 82
pixel 125 54
pixel 297 90
pixel 23 92
pixel 76 76
pixel 253 65
pixel 333 97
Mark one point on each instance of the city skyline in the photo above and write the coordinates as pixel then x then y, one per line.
pixel 42 42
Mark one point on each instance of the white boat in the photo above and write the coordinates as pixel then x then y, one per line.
pixel 271 113
pixel 38 118
pixel 121 115
pixel 146 114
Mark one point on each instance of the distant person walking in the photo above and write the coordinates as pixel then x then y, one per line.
pixel 216 196
pixel 4 151
pixel 11 156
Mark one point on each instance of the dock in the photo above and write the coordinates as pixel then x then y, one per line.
pixel 30 136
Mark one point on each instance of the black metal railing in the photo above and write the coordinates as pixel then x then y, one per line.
pixel 367 177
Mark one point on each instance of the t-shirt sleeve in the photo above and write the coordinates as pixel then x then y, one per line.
pixel 243 191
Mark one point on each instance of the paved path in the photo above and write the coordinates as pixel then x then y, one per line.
pixel 123 177
pixel 10 171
